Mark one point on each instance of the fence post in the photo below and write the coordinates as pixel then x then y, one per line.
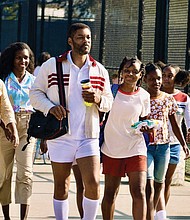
pixel 140 29
pixel 19 21
pixel 161 31
pixel 70 17
pixel 1 8
pixel 32 24
pixel 42 26
pixel 102 28
pixel 187 63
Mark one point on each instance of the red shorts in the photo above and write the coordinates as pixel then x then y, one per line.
pixel 121 166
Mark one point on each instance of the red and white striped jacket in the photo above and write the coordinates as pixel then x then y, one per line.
pixel 44 93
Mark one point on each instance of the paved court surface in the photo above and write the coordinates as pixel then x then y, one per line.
pixel 42 208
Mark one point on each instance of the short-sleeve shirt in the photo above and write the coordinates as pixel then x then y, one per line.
pixel 161 107
pixel 19 92
pixel 121 140
pixel 183 111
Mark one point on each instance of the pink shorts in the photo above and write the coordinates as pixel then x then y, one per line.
pixel 121 166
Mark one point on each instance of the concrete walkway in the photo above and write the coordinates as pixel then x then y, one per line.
pixel 42 208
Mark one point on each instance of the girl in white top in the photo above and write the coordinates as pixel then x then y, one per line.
pixel 124 149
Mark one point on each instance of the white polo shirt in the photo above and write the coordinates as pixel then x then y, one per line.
pixel 76 105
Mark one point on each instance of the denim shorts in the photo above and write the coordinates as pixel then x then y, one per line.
pixel 175 153
pixel 157 161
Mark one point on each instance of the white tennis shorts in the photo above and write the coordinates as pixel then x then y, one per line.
pixel 65 149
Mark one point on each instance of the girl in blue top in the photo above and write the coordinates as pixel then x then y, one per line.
pixel 16 63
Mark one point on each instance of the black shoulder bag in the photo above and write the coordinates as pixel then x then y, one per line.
pixel 49 127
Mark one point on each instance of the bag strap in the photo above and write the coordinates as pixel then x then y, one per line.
pixel 61 91
pixel 60 82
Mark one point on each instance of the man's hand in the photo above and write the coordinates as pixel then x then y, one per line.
pixel 91 97
pixel 43 146
pixel 58 111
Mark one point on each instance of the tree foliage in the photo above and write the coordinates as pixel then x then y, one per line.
pixel 9 9
pixel 80 9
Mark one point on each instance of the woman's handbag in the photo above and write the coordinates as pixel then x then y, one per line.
pixel 49 127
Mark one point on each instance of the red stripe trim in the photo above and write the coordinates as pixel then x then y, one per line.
pixel 56 83
pixel 66 78
pixel 129 93
pixel 97 82
pixel 66 75
pixel 93 61
pixel 180 97
pixel 52 80
pixel 55 75
pixel 52 84
pixel 97 87
pixel 63 57
pixel 52 75
pixel 97 77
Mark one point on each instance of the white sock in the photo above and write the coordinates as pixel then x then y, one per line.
pixel 61 209
pixel 160 215
pixel 90 208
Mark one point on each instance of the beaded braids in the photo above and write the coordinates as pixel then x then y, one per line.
pixel 8 55
pixel 133 60
pixel 151 67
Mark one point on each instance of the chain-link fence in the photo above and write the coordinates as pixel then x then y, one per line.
pixel 146 28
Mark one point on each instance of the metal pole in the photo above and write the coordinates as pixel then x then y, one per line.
pixel 1 9
pixel 187 63
pixel 161 31
pixel 70 16
pixel 19 21
pixel 42 26
pixel 32 24
pixel 187 60
pixel 140 29
pixel 102 29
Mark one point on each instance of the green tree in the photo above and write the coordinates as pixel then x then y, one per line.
pixel 9 9
pixel 81 8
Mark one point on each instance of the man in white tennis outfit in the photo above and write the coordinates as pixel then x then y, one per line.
pixel 81 143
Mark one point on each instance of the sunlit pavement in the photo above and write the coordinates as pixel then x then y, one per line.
pixel 42 208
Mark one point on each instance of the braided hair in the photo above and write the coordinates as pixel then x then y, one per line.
pixel 132 60
pixel 151 67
